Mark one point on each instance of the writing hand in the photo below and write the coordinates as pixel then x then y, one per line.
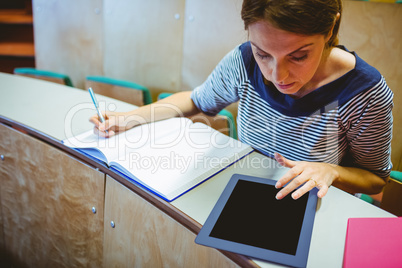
pixel 114 122
pixel 307 174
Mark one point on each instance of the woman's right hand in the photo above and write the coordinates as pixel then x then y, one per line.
pixel 178 104
pixel 114 123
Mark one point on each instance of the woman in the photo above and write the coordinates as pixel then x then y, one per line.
pixel 316 107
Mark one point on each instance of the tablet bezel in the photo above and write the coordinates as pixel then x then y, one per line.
pixel 298 260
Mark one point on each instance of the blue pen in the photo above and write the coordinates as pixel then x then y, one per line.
pixel 95 101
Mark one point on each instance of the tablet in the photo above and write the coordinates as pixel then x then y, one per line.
pixel 247 219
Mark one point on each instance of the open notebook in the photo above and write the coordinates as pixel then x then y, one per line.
pixel 168 157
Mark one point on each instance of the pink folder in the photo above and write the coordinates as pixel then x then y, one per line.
pixel 373 242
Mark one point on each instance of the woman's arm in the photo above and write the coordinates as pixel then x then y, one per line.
pixel 368 121
pixel 176 105
pixel 323 175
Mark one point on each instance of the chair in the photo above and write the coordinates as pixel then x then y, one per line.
pixel 223 121
pixel 44 75
pixel 367 198
pixel 392 194
pixel 119 89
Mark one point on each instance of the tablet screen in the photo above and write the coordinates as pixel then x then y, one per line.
pixel 249 220
pixel 254 217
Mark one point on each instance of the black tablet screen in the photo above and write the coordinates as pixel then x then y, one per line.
pixel 254 217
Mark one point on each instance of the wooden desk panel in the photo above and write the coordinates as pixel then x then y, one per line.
pixel 44 235
pixel 47 199
pixel 2 245
pixel 143 236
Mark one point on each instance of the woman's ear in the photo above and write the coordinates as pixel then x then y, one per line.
pixel 330 33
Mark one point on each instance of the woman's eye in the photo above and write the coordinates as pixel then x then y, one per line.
pixel 299 58
pixel 262 56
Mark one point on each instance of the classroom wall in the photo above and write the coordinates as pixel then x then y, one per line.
pixel 173 45
pixel 68 37
pixel 165 45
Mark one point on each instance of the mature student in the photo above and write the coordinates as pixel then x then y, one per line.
pixel 318 108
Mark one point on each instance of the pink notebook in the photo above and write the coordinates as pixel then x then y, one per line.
pixel 373 242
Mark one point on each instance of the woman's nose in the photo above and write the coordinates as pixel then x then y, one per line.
pixel 280 72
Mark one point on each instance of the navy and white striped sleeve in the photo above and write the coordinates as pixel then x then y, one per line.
pixel 368 118
pixel 221 87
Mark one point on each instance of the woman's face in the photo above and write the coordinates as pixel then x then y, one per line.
pixel 292 62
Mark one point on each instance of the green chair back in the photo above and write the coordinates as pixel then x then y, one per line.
pixel 44 75
pixel 117 85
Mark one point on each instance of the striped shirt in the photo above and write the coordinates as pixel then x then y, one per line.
pixel 346 122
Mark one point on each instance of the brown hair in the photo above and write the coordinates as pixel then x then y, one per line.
pixel 307 17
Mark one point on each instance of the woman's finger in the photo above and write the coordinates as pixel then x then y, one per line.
pixel 307 186
pixel 105 134
pixel 291 186
pixel 296 168
pixel 94 120
pixel 323 190
pixel 284 161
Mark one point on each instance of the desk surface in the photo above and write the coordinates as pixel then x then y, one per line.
pixel 60 112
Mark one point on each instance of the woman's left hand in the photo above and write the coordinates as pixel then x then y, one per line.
pixel 307 174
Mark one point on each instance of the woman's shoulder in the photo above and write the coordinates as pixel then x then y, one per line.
pixel 342 61
pixel 349 61
pixel 358 76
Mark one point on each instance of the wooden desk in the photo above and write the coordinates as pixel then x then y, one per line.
pixel 48 191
